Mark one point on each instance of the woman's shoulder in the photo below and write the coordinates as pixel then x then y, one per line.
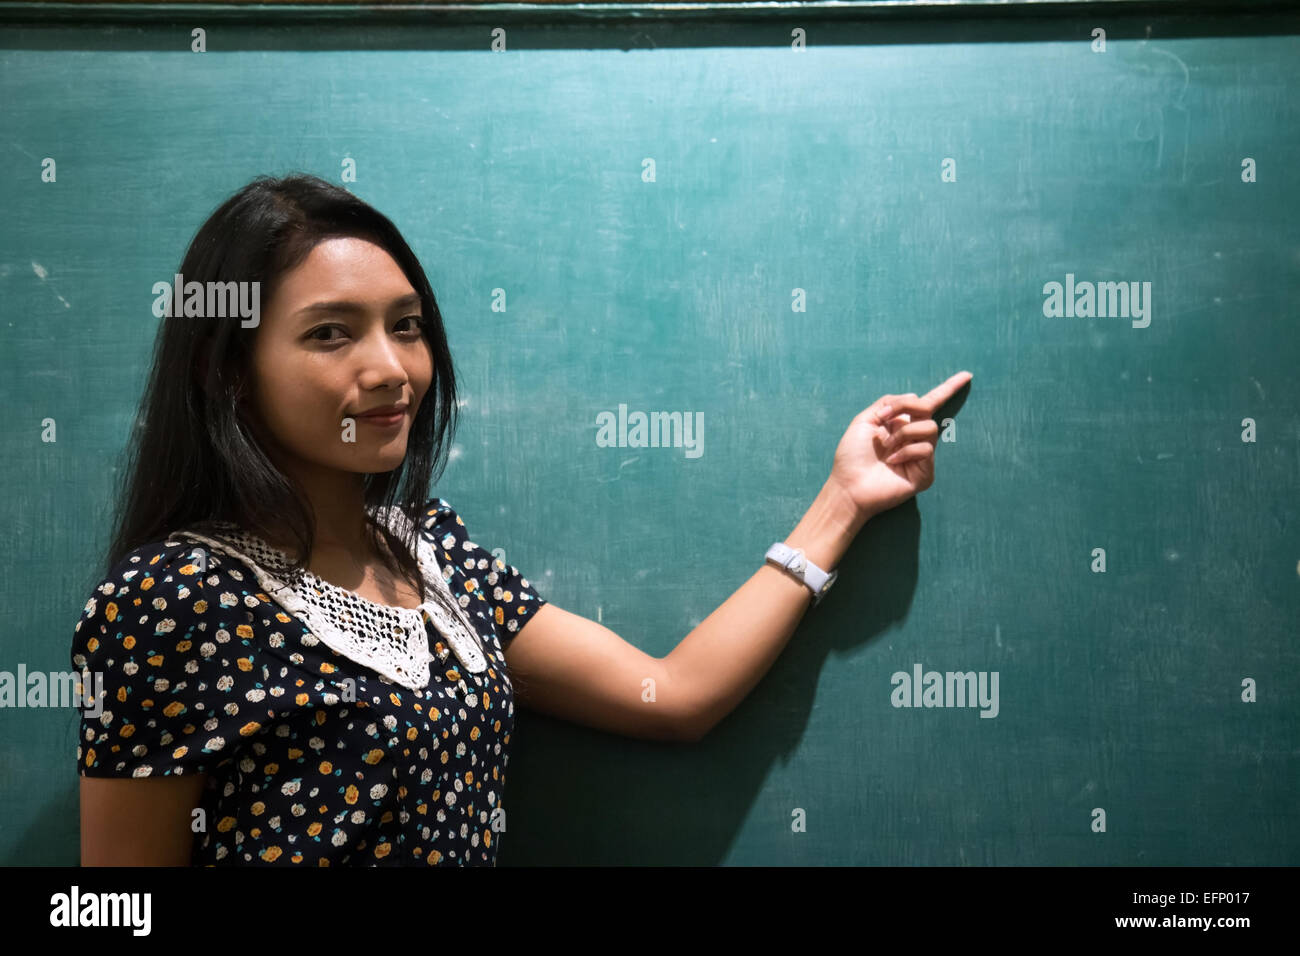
pixel 441 524
pixel 166 640
pixel 437 511
pixel 445 528
pixel 146 566
pixel 179 557
pixel 164 579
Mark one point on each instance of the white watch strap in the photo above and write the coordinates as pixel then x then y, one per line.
pixel 793 561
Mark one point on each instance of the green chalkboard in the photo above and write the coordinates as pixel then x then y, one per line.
pixel 725 217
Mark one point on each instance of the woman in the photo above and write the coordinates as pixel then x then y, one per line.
pixel 305 661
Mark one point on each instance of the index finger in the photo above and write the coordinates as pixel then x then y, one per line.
pixel 937 396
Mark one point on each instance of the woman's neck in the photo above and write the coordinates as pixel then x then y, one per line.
pixel 337 502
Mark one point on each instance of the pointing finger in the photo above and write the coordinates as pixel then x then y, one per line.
pixel 936 397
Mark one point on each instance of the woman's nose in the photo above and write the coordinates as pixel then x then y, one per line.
pixel 381 359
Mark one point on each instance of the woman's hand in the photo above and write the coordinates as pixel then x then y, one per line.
pixel 887 454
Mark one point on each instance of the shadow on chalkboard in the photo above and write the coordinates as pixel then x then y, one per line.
pixel 597 799
pixel 59 814
pixel 52 837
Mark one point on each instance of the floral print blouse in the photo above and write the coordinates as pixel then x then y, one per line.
pixel 312 759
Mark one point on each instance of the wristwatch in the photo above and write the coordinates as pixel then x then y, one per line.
pixel 795 563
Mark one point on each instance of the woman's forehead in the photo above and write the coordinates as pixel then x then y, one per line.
pixel 341 275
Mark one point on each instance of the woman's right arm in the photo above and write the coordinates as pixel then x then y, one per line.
pixel 138 822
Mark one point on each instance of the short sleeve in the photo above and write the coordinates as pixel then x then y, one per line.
pixel 473 569
pixel 168 654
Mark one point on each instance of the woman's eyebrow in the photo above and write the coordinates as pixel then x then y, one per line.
pixel 357 308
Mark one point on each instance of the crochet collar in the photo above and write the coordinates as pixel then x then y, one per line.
pixel 393 641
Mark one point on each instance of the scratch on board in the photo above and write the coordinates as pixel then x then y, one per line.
pixel 44 276
pixel 1177 105
pixel 623 464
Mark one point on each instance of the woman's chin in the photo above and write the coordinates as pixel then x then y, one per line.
pixel 388 460
pixel 378 460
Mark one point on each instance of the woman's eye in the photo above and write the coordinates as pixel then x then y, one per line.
pixel 415 322
pixel 324 328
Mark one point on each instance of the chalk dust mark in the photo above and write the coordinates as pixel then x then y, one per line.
pixel 43 274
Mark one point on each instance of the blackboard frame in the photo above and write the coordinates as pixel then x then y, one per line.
pixel 663 24
pixel 622 9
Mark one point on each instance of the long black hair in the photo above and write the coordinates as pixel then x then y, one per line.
pixel 195 455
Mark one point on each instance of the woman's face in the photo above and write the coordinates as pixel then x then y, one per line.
pixel 339 338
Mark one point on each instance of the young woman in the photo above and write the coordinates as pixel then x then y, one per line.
pixel 305 660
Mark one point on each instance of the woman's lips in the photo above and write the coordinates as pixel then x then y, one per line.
pixel 383 421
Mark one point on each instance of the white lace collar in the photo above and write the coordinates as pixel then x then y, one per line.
pixel 390 640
